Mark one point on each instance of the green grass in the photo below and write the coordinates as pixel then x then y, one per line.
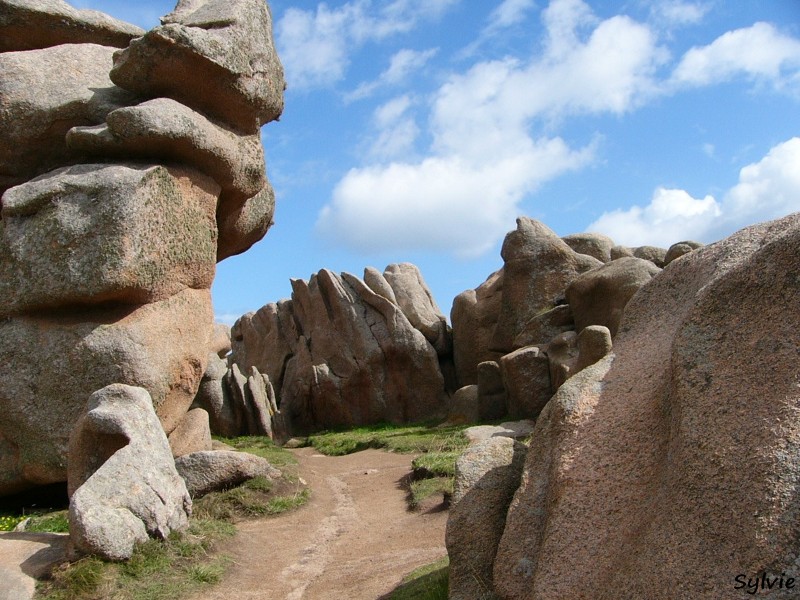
pixel 54 522
pixel 426 583
pixel 433 471
pixel 404 439
pixel 180 566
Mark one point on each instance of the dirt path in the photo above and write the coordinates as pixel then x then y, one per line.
pixel 354 540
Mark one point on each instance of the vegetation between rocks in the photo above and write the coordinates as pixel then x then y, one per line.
pixel 433 471
pixel 429 582
pixel 187 561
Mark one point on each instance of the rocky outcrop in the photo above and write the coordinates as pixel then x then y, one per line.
pixel 596 245
pixel 210 471
pixel 118 199
pixel 474 318
pixel 339 354
pixel 123 484
pixel 538 266
pixel 34 24
pixel 599 296
pixel 638 462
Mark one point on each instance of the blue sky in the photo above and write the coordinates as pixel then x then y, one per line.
pixel 418 130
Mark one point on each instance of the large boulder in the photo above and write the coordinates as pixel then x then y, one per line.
pixel 210 471
pixel 339 355
pixel 217 56
pixel 538 267
pixel 123 484
pixel 34 24
pixel 599 297
pixel 594 244
pixel 526 379
pixel 638 462
pixel 50 364
pixel 487 474
pixel 43 94
pixel 416 300
pixel 474 318
pixel 112 213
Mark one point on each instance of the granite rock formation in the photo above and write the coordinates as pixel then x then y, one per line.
pixel 638 462
pixel 130 163
pixel 341 354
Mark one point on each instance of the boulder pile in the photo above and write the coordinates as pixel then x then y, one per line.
pixel 130 164
pixel 639 460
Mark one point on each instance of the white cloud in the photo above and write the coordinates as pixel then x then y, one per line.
pixel 671 216
pixel 759 52
pixel 485 156
pixel 443 203
pixel 315 45
pixel 508 13
pixel 679 12
pixel 397 130
pixel 402 64
pixel 766 190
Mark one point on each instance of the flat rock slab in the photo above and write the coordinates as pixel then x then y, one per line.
pixel 26 556
pixel 513 429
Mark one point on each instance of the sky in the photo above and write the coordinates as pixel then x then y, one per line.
pixel 419 130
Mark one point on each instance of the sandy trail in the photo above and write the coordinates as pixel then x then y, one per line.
pixel 354 540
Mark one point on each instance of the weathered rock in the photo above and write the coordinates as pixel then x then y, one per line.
pixel 474 317
pixel 516 430
pixel 167 130
pixel 599 297
pixel 220 342
pixel 43 94
pixel 594 343
pixel 654 254
pixel 192 433
pixel 640 460
pixel 206 472
pixel 526 378
pixel 49 365
pixel 491 392
pixel 216 56
pixel 112 213
pixel 620 252
pixel 122 480
pixel 679 249
pixel 259 402
pixel 562 351
pixel 213 396
pixel 543 327
pixel 359 361
pixel 594 244
pixel 339 355
pixel 464 406
pixel 418 305
pixel 242 226
pixel 487 474
pixel 34 24
pixel 538 267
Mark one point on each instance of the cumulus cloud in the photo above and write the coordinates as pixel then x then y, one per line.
pixel 315 45
pixel 766 190
pixel 759 52
pixel 445 203
pixel 509 13
pixel 485 155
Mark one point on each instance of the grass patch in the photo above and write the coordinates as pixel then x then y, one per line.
pixel 9 522
pixel 180 566
pixel 435 464
pixel 425 583
pixel 421 490
pixel 394 438
pixel 55 522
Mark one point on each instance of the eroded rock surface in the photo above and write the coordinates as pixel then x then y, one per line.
pixel 638 461
pixel 339 354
